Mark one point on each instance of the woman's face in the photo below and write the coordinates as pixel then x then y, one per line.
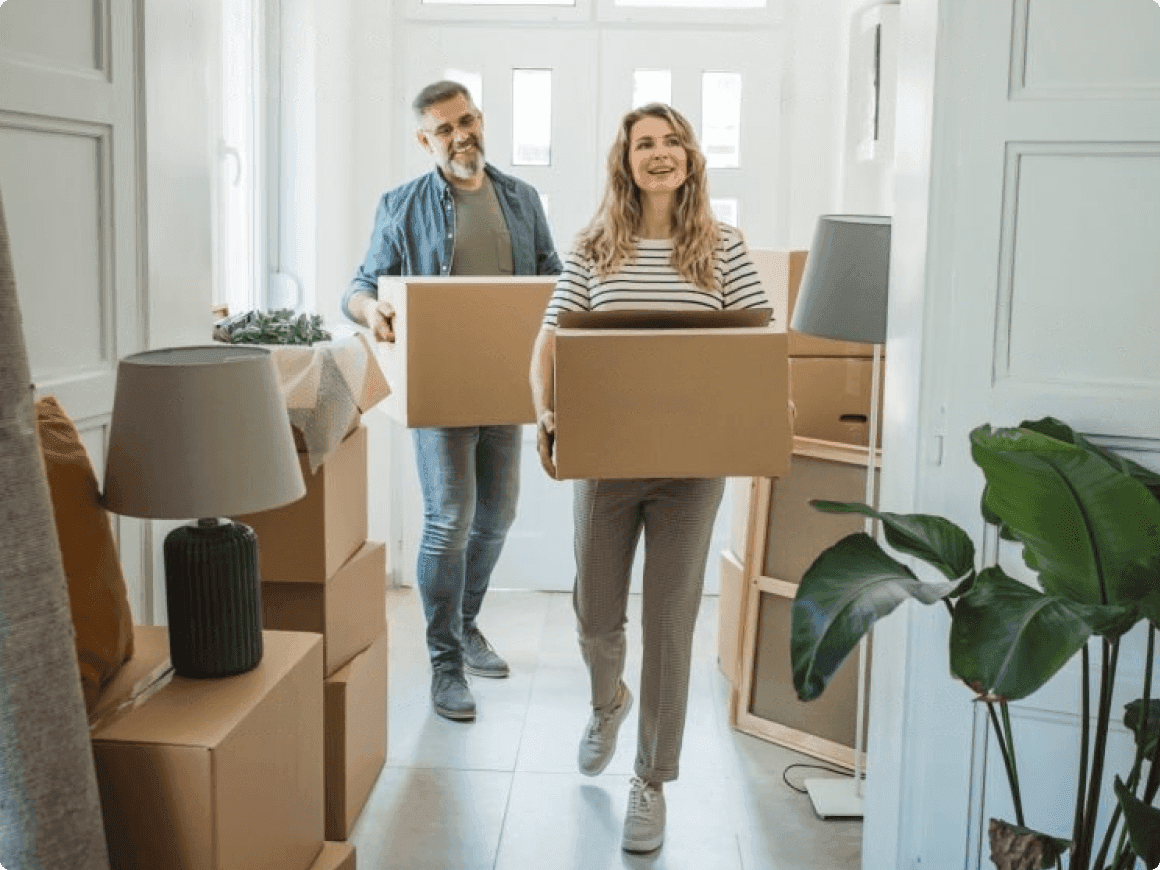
pixel 659 163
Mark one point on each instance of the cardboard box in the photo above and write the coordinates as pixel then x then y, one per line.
pixel 730 606
pixel 781 274
pixel 335 856
pixel 349 610
pixel 310 539
pixel 797 533
pixel 671 403
pixel 832 396
pixel 356 736
pixel 220 774
pixel 462 349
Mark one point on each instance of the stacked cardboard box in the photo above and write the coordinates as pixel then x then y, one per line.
pixel 221 774
pixel 321 574
pixel 829 380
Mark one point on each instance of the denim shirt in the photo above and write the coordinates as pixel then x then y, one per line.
pixel 414 232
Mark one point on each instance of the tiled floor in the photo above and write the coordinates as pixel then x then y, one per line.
pixel 503 792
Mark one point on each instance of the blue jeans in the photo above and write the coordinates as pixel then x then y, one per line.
pixel 470 477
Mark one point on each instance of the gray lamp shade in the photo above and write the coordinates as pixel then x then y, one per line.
pixel 843 291
pixel 199 432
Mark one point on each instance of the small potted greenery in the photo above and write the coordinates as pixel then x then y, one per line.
pixel 1089 524
pixel 281 326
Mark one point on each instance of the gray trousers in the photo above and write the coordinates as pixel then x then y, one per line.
pixel 677 519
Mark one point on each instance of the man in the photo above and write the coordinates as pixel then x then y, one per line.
pixel 464 217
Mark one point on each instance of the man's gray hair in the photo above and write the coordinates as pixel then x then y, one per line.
pixel 437 93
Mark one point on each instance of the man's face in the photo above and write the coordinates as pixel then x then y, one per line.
pixel 452 133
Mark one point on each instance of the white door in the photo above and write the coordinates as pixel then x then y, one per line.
pixel 69 182
pixel 1041 281
pixel 591 73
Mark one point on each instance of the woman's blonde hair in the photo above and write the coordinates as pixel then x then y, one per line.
pixel 608 240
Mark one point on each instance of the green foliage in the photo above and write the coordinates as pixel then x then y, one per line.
pixel 282 326
pixel 1089 525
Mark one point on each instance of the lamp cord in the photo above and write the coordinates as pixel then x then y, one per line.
pixel 785 774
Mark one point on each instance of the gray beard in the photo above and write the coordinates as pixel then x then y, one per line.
pixel 468 170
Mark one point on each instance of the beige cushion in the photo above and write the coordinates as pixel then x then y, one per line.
pixel 97 594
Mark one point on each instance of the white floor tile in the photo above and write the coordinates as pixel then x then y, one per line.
pixel 422 819
pixel 503 793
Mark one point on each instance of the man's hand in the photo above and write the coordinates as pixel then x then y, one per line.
pixel 379 317
pixel 546 440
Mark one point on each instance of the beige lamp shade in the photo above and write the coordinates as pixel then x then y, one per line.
pixel 199 432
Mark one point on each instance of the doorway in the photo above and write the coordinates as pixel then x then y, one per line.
pixel 551 98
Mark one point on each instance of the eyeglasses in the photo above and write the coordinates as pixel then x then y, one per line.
pixel 466 124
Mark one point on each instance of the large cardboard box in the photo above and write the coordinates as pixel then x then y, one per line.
pixel 832 397
pixel 356 736
pixel 462 349
pixel 730 608
pixel 348 610
pixel 335 856
pixel 310 539
pixel 781 274
pixel 671 403
pixel 220 774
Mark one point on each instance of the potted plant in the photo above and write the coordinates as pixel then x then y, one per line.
pixel 1089 523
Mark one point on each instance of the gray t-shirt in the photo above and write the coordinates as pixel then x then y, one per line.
pixel 483 245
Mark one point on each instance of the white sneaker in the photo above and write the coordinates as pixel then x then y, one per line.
pixel 599 740
pixel 644 823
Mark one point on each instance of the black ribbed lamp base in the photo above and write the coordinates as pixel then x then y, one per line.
pixel 214 599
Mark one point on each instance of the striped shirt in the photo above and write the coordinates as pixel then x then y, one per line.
pixel 649 281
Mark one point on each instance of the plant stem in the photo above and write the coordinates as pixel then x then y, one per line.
pixel 1011 748
pixel 1008 761
pixel 1111 653
pixel 1084 724
pixel 1154 762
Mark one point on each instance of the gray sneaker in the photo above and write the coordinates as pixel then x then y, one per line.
pixel 451 697
pixel 480 658
pixel 644 823
pixel 599 741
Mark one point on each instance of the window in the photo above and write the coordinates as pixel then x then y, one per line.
pixel 721 119
pixel 531 117
pixel 651 86
pixel 725 210
pixel 239 245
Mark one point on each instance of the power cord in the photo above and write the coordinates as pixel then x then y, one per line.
pixel 785 774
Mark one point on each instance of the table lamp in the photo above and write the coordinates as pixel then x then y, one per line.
pixel 843 296
pixel 203 432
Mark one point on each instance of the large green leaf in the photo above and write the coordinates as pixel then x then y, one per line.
pixel 1090 530
pixel 1145 728
pixel 933 539
pixel 1061 431
pixel 1143 823
pixel 848 588
pixel 1008 639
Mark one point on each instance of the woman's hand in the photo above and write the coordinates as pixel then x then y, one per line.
pixel 546 440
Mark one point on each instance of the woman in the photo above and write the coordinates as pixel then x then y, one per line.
pixel 653 244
